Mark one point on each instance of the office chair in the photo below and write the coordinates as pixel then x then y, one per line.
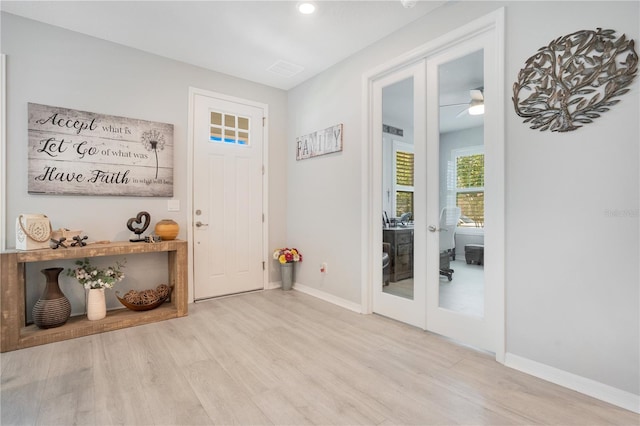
pixel 449 217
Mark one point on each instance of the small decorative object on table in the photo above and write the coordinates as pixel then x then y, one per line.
pixel 145 300
pixel 95 280
pixel 55 243
pixel 53 308
pixel 144 225
pixel 33 231
pixel 287 257
pixel 79 241
pixel 65 238
pixel 62 237
pixel 167 229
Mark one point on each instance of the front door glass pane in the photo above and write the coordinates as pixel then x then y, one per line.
pixel 229 129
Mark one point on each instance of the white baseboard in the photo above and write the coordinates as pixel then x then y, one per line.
pixel 615 396
pixel 355 307
pixel 273 285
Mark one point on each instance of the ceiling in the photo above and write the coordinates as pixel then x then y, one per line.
pixel 240 38
pixel 247 38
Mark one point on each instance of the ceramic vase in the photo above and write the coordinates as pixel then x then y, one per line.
pixel 96 304
pixel 286 270
pixel 167 229
pixel 53 308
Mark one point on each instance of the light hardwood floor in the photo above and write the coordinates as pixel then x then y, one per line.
pixel 279 357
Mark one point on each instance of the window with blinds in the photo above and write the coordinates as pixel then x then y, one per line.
pixel 404 182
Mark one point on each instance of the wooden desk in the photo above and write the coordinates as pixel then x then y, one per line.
pixel 401 241
pixel 16 335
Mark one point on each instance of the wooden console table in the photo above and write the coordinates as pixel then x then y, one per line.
pixel 16 335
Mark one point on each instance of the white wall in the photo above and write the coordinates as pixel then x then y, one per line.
pixel 572 261
pixel 52 66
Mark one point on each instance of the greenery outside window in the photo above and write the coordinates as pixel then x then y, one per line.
pixel 469 167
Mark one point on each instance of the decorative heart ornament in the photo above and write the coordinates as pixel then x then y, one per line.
pixel 139 220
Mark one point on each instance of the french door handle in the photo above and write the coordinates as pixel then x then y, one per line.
pixel 434 229
pixel 199 224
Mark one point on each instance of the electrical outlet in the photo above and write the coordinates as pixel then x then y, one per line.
pixel 323 268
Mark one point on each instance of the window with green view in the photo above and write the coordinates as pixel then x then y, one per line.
pixel 470 188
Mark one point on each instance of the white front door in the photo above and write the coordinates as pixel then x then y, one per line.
pixel 227 196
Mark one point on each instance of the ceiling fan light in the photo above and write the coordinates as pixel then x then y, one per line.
pixel 476 108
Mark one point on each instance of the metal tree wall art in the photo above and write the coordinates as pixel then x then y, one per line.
pixel 574 79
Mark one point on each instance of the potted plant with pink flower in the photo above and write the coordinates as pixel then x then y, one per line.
pixel 287 257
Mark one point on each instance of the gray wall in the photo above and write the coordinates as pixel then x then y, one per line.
pixel 571 199
pixel 52 66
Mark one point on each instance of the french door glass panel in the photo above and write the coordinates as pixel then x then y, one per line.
pixel 461 189
pixel 397 161
pixel 398 104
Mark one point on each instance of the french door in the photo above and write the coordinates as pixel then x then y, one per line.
pixel 443 270
pixel 227 196
pixel 462 196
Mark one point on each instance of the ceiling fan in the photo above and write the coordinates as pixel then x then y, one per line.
pixel 475 106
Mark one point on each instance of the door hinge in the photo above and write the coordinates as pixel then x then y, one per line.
pixel 263 169
pixel 263 265
pixel 263 120
pixel 262 217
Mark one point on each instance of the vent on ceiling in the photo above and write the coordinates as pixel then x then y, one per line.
pixel 285 69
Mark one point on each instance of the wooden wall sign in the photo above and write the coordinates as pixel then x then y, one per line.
pixel 84 153
pixel 319 143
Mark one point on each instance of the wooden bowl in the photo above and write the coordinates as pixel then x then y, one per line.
pixel 144 307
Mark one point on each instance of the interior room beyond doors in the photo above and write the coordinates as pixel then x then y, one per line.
pixel 461 185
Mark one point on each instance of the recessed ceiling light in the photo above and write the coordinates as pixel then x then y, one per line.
pixel 306 7
pixel 408 4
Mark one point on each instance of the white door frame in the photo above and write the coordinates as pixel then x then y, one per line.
pixel 3 152
pixel 372 258
pixel 190 179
